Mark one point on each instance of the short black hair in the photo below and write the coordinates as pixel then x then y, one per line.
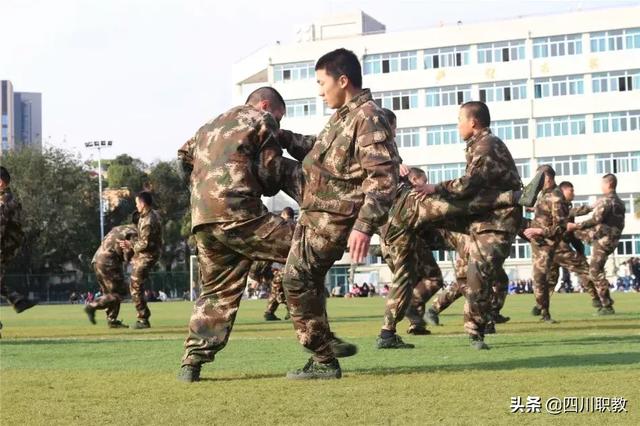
pixel 342 62
pixel 565 184
pixel 288 211
pixel 390 116
pixel 547 170
pixel 611 179
pixel 146 197
pixel 266 93
pixel 4 175
pixel 416 172
pixel 479 111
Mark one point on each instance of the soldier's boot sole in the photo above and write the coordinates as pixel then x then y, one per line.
pixel 418 331
pixel 24 304
pixel 530 192
pixel 91 314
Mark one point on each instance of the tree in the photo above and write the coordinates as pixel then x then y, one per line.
pixel 172 200
pixel 126 172
pixel 60 209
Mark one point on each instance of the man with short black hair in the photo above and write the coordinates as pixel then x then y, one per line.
pixel 545 233
pixel 11 237
pixel 146 252
pixel 603 231
pixel 351 173
pixel 231 162
pixel 489 165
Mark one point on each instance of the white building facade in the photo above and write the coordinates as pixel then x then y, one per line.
pixel 562 89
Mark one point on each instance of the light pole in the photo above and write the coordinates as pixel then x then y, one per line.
pixel 99 145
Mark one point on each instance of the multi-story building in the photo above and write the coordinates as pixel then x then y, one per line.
pixel 21 118
pixel 562 89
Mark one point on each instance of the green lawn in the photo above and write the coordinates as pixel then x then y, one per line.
pixel 56 368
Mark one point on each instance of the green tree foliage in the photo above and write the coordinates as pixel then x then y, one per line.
pixel 59 197
pixel 126 172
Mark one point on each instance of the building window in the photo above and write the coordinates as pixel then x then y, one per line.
pixel 560 126
pixel 450 95
pixel 338 276
pixel 520 249
pixel 544 47
pixel 524 168
pixel 625 121
pixel 618 81
pixel 294 71
pixel 511 129
pixel 618 162
pixel 629 202
pixel 615 40
pixel 505 51
pixel 559 86
pixel 301 107
pixel 390 62
pixel 406 99
pixel 408 138
pixel 448 171
pixel 567 165
pixel 629 245
pixel 503 91
pixel 443 135
pixel 456 56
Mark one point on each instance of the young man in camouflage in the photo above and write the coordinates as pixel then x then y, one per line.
pixel 570 257
pixel 404 246
pixel 489 166
pixel 277 296
pixel 351 173
pixel 603 232
pixel 11 236
pixel 545 233
pixel 108 263
pixel 232 161
pixel 146 252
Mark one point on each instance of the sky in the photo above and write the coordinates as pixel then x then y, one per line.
pixel 148 73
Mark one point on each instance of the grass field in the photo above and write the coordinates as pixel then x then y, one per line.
pixel 56 368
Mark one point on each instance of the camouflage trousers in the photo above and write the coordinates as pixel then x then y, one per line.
pixel 312 254
pixel 12 297
pixel 110 276
pixel 416 275
pixel 225 254
pixel 604 242
pixel 409 215
pixel 568 258
pixel 276 297
pixel 487 252
pixel 140 268
pixel 542 256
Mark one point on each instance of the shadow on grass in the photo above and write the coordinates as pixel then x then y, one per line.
pixel 589 340
pixel 554 361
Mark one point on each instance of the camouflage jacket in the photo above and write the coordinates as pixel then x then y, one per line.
pixel 110 249
pixel 260 269
pixel 11 234
pixel 608 217
pixel 577 211
pixel 350 169
pixel 149 242
pixel 232 161
pixel 552 215
pixel 489 166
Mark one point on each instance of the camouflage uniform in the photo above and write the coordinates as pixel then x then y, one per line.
pixel 407 247
pixel 146 252
pixel 108 262
pixel 351 174
pixel 232 161
pixel 603 231
pixel 575 261
pixel 551 215
pixel 11 236
pixel 489 166
pixel 277 296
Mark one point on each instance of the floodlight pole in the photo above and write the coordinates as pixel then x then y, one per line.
pixel 99 145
